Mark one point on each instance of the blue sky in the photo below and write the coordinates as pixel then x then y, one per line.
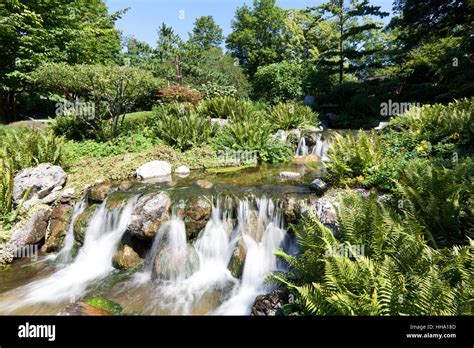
pixel 145 16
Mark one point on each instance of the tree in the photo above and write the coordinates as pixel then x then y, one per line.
pixel 33 32
pixel 428 20
pixel 256 39
pixel 168 52
pixel 206 33
pixel 112 89
pixel 348 32
pixel 279 82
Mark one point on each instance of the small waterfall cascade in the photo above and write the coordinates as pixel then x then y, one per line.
pixel 262 233
pixel 180 276
pixel 302 149
pixel 65 254
pixel 321 148
pixel 93 261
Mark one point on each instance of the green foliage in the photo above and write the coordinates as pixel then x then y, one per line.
pixel 279 82
pixel 212 90
pixel 182 127
pixel 440 199
pixel 437 122
pixel 112 90
pixel 125 143
pixel 290 115
pixel 7 175
pixel 352 157
pixel 256 38
pixel 224 107
pixel 206 33
pixel 249 130
pixel 29 148
pixel 380 265
pixel 51 31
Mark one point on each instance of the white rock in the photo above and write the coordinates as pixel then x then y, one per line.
pixel 183 170
pixel 290 175
pixel 41 179
pixel 153 169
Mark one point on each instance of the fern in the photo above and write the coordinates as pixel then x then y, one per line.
pixel 398 274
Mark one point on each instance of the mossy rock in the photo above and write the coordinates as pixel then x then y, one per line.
pixel 82 222
pixel 237 261
pixel 117 200
pixel 105 304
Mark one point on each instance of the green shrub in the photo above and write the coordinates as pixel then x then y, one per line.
pixel 279 82
pixel 352 157
pixel 27 148
pixel 81 128
pixel 223 107
pixel 212 90
pixel 249 130
pixel 291 115
pixel 7 175
pixel 380 265
pixel 436 122
pixel 182 127
pixel 440 199
pixel 126 143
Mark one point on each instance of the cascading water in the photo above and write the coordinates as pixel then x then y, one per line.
pixel 321 148
pixel 179 277
pixel 260 242
pixel 65 254
pixel 212 288
pixel 302 149
pixel 93 262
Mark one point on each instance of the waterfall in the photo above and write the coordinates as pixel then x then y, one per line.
pixel 260 241
pixel 179 276
pixel 321 148
pixel 211 285
pixel 302 149
pixel 65 254
pixel 93 262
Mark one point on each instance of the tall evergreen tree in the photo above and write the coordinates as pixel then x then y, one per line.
pixel 206 33
pixel 346 18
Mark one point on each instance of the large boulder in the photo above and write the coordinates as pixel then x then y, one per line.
pixel 197 213
pixel 151 211
pixel 126 258
pixel 81 223
pixel 154 169
pixel 172 264
pixel 42 180
pixel 32 230
pixel 270 304
pixel 57 228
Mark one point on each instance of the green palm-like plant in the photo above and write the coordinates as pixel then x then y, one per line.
pixel 29 148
